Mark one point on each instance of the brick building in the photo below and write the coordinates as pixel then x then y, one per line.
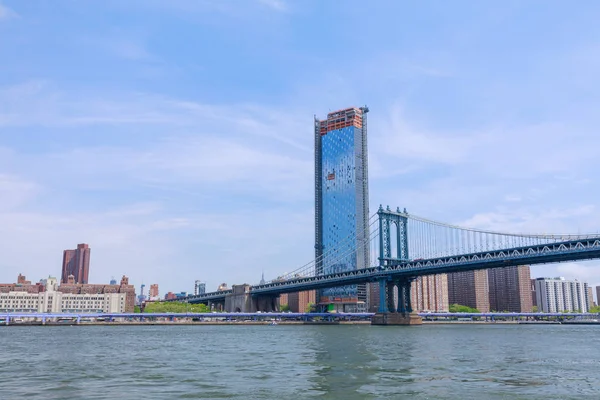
pixel 469 288
pixel 298 301
pixel 430 293
pixel 77 263
pixel 510 289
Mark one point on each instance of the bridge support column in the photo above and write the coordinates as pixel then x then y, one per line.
pixel 382 297
pixel 403 314
pixel 391 304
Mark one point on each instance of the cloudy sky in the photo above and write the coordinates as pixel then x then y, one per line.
pixel 175 136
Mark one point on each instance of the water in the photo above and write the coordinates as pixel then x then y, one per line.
pixel 298 362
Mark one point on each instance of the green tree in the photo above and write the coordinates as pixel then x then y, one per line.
pixel 457 308
pixel 284 308
pixel 175 307
pixel 595 309
pixel 136 309
pixel 534 309
pixel 310 308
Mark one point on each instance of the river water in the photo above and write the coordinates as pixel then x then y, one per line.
pixel 297 362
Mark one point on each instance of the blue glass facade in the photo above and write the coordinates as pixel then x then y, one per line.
pixel 341 203
pixel 339 207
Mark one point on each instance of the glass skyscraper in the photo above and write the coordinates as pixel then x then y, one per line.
pixel 342 204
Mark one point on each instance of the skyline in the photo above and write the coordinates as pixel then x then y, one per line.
pixel 160 133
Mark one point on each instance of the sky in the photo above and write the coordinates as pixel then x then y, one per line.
pixel 175 136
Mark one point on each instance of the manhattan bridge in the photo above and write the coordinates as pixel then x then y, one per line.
pixel 403 247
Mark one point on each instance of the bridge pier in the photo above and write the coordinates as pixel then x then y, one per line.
pixel 395 315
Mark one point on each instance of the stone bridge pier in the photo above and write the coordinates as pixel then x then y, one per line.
pixel 389 312
pixel 241 300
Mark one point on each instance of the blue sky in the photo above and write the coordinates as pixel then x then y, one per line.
pixel 175 136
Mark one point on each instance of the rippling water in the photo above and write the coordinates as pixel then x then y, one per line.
pixel 279 362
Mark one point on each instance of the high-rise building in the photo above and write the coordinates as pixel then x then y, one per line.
pixel 598 295
pixel 430 293
pixel 342 204
pixel 533 295
pixel 469 288
pixel 509 289
pixel 590 296
pixel 299 301
pixel 199 287
pixel 153 292
pixel 77 263
pixel 558 295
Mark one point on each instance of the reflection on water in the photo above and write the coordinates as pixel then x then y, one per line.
pixel 295 362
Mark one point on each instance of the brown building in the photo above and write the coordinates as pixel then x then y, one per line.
pixel 469 288
pixel 22 280
pixel 283 299
pixel 430 293
pixel 299 301
pixel 510 289
pixel 22 285
pixel 170 296
pixel 590 296
pixel 373 297
pixel 153 292
pixel 533 296
pixel 124 287
pixel 77 263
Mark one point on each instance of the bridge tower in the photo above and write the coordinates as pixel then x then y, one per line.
pixel 393 246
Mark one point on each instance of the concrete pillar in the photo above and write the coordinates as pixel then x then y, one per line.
pixel 43 320
pixel 78 319
pixel 7 319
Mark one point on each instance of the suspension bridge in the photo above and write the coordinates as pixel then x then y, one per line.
pixel 402 247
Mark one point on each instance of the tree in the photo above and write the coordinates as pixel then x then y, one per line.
pixel 310 308
pixel 175 307
pixel 595 309
pixel 534 309
pixel 136 309
pixel 457 308
pixel 284 307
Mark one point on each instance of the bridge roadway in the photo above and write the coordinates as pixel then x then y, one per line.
pixel 572 250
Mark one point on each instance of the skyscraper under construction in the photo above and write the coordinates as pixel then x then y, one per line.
pixel 342 204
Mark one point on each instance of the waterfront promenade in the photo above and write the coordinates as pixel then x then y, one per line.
pixel 284 318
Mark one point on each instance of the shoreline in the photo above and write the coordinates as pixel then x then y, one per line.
pixel 270 323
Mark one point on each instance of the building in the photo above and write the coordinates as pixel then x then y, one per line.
pixel 222 287
pixel 469 288
pixel 342 204
pixel 22 285
pixel 52 300
pixel 283 300
pixel 170 296
pixel 558 295
pixel 590 296
pixel 77 263
pixel 598 295
pixel 533 295
pixel 299 301
pixel 430 293
pixel 509 289
pixel 153 292
pixel 124 287
pixel 199 287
